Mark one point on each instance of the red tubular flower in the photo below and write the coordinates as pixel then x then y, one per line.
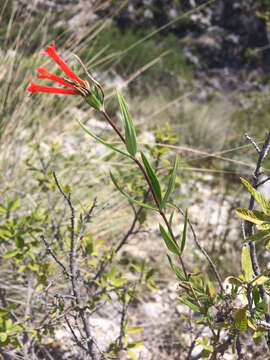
pixel 33 88
pixel 75 85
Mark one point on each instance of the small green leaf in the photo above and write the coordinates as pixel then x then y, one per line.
pixel 253 216
pixel 3 336
pixel 171 182
pixel 176 271
pixel 265 205
pixel 11 253
pixel 152 176
pixel 240 319
pixel 3 209
pixel 171 218
pixel 259 280
pixel 246 264
pixel 184 235
pixel 12 205
pixel 130 134
pixel 189 304
pixel 135 344
pixel 260 235
pixel 169 241
pixel 129 197
pixel 132 355
pixel 89 132
pixel 134 330
pixel 256 295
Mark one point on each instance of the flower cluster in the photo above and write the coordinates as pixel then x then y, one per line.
pixel 74 84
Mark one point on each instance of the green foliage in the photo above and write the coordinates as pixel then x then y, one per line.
pixel 260 218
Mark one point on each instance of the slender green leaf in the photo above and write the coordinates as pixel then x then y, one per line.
pixel 265 205
pixel 12 205
pixel 3 336
pixel 132 355
pixel 176 271
pixel 169 241
pixel 246 264
pixel 130 134
pixel 3 209
pixel 260 235
pixel 184 235
pixel 171 182
pixel 134 330
pixel 259 280
pixel 189 304
pixel 11 253
pixel 240 319
pixel 254 216
pixel 89 132
pixel 171 218
pixel 135 344
pixel 129 197
pixel 153 178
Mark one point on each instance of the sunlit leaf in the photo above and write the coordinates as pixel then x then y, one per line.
pixel 240 319
pixel 246 264
pixel 265 205
pixel 253 216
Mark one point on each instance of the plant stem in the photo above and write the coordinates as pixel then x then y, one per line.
pixel 103 112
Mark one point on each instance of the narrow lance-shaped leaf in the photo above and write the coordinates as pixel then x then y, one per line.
pixel 171 182
pixel 171 245
pixel 246 264
pixel 184 235
pixel 153 178
pixel 89 132
pixel 253 216
pixel 171 218
pixel 130 134
pixel 189 304
pixel 176 271
pixel 265 205
pixel 129 197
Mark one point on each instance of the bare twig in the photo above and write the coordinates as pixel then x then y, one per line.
pixel 54 256
pixel 91 348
